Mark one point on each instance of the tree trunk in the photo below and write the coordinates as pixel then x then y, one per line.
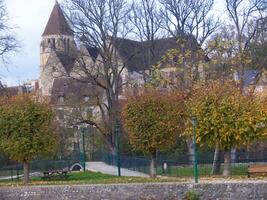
pixel 216 167
pixel 153 166
pixel 190 148
pixel 233 155
pixel 26 172
pixel 109 140
pixel 227 162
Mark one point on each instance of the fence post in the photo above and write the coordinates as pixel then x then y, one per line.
pixel 194 122
pixel 12 174
pixel 18 173
pixel 83 150
pixel 117 130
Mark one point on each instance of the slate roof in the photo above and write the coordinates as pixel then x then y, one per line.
pixel 12 91
pixel 57 23
pixel 249 77
pixel 72 90
pixel 93 51
pixel 66 60
pixel 138 56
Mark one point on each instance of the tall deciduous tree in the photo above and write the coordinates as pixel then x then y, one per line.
pixel 8 42
pixel 226 118
pixel 146 19
pixel 98 24
pixel 180 68
pixel 189 17
pixel 241 13
pixel 153 122
pixel 26 130
pixel 146 27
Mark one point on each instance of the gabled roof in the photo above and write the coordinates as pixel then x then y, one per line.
pixel 12 91
pixel 66 60
pixel 138 56
pixel 72 90
pixel 57 23
pixel 93 51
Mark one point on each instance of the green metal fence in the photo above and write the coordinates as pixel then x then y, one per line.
pixel 179 166
pixel 37 167
pixel 182 166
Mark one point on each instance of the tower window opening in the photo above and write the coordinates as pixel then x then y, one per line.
pixel 65 45
pixel 68 44
pixel 54 42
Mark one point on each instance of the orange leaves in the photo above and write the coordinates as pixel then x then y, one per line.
pixel 153 120
pixel 226 116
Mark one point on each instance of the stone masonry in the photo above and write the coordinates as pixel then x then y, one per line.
pixel 161 191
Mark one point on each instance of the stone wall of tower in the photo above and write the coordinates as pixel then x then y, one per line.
pixel 48 72
pixel 45 53
pixel 50 65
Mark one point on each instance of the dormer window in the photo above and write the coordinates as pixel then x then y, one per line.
pixel 86 99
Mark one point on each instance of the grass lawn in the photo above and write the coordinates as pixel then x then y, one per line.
pixel 89 178
pixel 203 170
pixel 174 174
pixel 185 175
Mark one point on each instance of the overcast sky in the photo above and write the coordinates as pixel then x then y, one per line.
pixel 30 18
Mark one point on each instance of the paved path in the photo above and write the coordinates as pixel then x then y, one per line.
pixel 20 176
pixel 112 170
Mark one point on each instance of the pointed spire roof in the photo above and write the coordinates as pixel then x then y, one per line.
pixel 57 23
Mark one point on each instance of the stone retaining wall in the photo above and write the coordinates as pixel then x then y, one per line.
pixel 165 191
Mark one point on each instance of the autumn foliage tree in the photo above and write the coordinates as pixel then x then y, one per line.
pixel 26 130
pixel 153 122
pixel 226 118
pixel 180 67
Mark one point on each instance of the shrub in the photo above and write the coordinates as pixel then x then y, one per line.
pixel 191 195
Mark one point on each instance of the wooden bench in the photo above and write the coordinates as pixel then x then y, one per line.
pixel 257 169
pixel 47 175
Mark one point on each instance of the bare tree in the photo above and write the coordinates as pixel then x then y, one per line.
pixel 8 42
pixel 146 26
pixel 146 19
pixel 98 24
pixel 241 13
pixel 189 17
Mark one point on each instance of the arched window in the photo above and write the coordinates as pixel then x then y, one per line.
pixel 61 99
pixel 54 42
pixel 65 44
pixel 58 42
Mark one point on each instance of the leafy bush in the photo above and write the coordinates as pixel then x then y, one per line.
pixel 191 195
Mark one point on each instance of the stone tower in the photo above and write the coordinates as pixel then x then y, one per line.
pixel 57 53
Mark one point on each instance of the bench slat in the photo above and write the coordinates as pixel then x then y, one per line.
pixel 258 170
pixel 254 169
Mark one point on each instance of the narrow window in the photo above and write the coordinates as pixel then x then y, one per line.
pixel 65 44
pixel 61 99
pixel 68 44
pixel 54 42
